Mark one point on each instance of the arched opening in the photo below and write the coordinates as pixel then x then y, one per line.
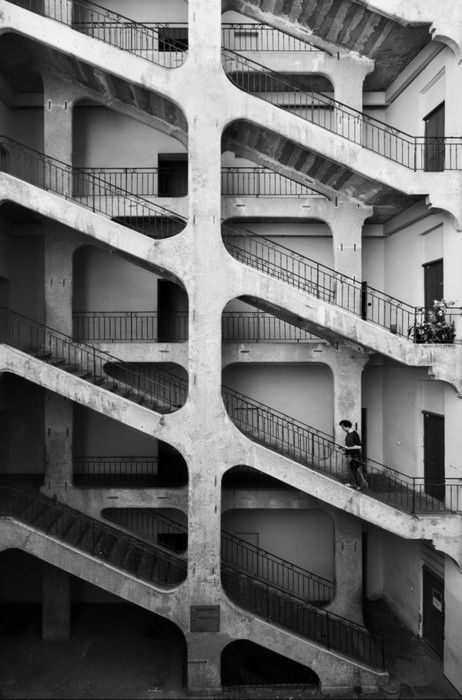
pixel 114 646
pixel 109 454
pixel 246 663
pixel 115 300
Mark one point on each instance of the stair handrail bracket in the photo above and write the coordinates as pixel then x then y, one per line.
pixel 431 154
pixel 111 27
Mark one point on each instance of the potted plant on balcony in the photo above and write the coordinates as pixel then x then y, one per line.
pixel 434 327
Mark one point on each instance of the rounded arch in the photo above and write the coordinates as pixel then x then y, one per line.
pixel 246 663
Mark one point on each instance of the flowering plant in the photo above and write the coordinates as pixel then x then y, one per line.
pixel 434 328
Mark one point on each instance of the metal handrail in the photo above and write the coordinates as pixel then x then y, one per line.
pixel 331 630
pixel 325 283
pixel 414 152
pixel 318 450
pixel 29 508
pixel 103 470
pixel 241 556
pixel 162 388
pixel 111 27
pixel 61 178
pixel 140 181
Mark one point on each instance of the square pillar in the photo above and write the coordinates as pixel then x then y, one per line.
pixel 348 600
pixel 56 604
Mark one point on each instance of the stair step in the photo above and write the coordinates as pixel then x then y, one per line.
pixel 55 361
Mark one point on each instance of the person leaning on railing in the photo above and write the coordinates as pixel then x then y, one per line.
pixel 353 450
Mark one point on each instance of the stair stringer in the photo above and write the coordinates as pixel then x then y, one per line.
pixel 317 316
pixel 445 529
pixel 171 604
pixel 171 428
pixel 444 189
pixel 336 672
pixel 167 255
pixel 106 57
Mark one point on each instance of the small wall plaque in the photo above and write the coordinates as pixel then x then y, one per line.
pixel 205 618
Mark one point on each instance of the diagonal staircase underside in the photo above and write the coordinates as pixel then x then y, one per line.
pixel 69 536
pixel 348 25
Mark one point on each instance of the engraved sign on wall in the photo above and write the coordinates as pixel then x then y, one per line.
pixel 205 618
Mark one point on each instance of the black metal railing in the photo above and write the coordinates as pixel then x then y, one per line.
pixel 330 630
pixel 130 326
pixel 91 536
pixel 261 37
pixel 113 28
pixel 262 182
pixel 326 284
pixel 414 152
pixel 139 181
pixel 149 326
pixel 101 196
pixel 150 525
pixel 317 450
pixel 236 553
pixel 157 389
pixel 257 326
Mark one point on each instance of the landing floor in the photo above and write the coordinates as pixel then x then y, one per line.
pixel 120 651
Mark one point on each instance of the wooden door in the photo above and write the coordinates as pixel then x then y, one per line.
pixel 434 139
pixel 433 610
pixel 434 470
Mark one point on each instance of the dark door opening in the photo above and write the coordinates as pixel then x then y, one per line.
pixel 173 38
pixel 433 611
pixel 433 282
pixel 172 309
pixel 434 140
pixel 172 174
pixel 434 470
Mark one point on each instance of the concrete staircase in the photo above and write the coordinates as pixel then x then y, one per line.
pixel 350 26
pixel 144 573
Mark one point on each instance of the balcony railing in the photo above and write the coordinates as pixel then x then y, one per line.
pixel 112 28
pixel 149 326
pixel 413 152
pixel 330 286
pixel 142 182
pixel 125 472
pixel 261 37
pixel 262 182
pixel 130 326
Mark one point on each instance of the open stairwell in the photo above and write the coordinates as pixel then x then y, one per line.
pixel 343 305
pixel 139 562
pixel 85 374
pixel 374 157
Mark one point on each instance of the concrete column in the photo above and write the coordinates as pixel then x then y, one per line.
pixel 347 227
pixel 56 605
pixel 349 77
pixel 348 567
pixel 59 249
pixel 347 369
pixel 452 623
pixel 206 301
pixel 57 136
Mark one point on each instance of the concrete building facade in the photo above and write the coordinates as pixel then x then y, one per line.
pixel 223 230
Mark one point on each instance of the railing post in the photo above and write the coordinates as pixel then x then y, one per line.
pixel 413 496
pixel 364 300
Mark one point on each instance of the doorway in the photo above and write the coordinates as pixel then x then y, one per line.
pixel 433 610
pixel 434 470
pixel 434 140
pixel 433 283
pixel 172 174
